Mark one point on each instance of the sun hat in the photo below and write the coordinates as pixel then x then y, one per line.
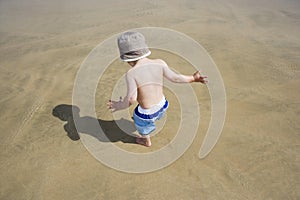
pixel 132 46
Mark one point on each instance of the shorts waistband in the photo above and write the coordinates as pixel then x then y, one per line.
pixel 153 111
pixel 153 108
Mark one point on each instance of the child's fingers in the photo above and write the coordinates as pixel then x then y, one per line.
pixel 205 81
pixel 109 104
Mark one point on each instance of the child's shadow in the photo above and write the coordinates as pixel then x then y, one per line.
pixel 111 131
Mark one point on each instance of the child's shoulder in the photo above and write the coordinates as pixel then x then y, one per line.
pixel 158 61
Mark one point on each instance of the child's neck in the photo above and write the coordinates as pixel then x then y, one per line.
pixel 132 63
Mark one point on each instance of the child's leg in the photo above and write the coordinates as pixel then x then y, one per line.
pixel 144 128
pixel 144 140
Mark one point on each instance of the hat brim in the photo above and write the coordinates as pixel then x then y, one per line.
pixel 137 58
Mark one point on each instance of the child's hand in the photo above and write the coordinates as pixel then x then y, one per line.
pixel 199 78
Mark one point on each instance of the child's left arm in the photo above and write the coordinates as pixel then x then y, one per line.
pixel 129 99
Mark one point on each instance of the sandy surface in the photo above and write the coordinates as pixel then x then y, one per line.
pixel 256 46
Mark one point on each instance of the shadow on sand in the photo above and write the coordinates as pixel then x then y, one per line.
pixel 89 125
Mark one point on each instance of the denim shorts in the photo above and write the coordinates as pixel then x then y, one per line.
pixel 144 119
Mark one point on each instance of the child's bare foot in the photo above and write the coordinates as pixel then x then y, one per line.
pixel 145 141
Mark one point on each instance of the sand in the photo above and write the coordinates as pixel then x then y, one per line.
pixel 255 45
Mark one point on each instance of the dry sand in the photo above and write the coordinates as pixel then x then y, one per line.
pixel 256 46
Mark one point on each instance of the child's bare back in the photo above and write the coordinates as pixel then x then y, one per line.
pixel 147 78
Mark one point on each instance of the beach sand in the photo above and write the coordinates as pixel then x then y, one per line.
pixel 255 45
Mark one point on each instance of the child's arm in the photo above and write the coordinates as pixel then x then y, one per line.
pixel 179 78
pixel 129 99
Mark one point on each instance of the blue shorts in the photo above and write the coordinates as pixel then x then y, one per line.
pixel 144 119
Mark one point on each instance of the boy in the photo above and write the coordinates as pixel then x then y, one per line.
pixel 145 84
